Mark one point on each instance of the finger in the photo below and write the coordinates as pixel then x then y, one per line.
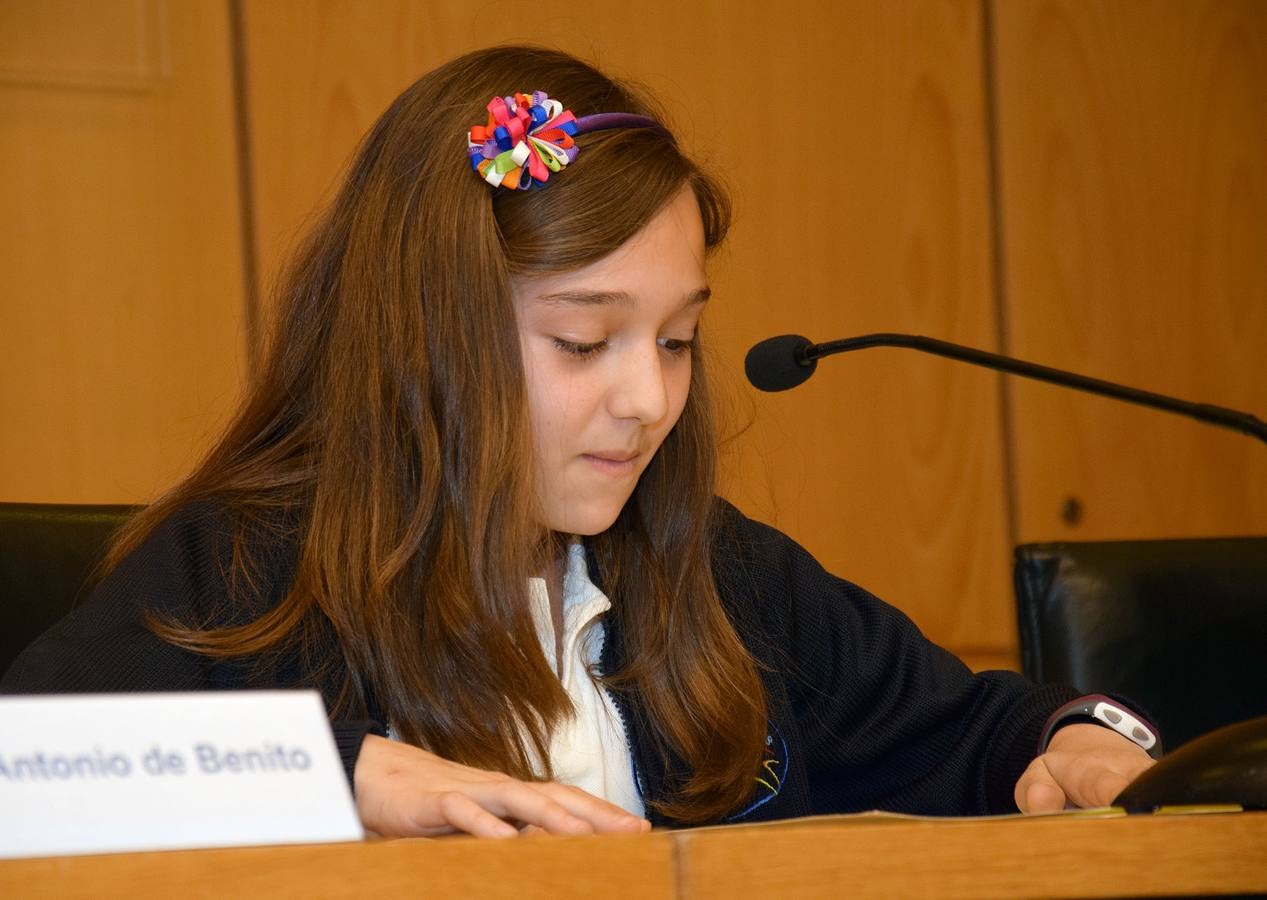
pixel 1037 791
pixel 462 813
pixel 523 801
pixel 1044 797
pixel 604 816
pixel 1098 786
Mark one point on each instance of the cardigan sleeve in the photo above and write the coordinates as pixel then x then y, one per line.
pixel 886 719
pixel 179 573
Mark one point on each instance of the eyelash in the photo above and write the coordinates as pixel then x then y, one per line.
pixel 579 350
pixel 585 351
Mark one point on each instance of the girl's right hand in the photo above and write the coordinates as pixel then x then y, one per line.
pixel 402 791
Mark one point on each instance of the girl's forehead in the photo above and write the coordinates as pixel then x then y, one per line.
pixel 663 261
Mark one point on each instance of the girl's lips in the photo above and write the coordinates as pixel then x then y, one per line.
pixel 615 464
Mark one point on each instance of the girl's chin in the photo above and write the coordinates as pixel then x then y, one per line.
pixel 586 522
pixel 582 527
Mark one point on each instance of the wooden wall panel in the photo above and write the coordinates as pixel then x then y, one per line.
pixel 111 44
pixel 854 139
pixel 120 344
pixel 1133 153
pixel 1130 136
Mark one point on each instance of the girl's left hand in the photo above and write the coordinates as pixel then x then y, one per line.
pixel 1086 765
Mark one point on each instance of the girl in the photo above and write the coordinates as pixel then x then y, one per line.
pixel 470 499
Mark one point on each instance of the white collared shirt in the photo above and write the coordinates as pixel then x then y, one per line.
pixel 589 749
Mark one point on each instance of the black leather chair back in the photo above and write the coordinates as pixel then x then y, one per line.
pixel 1179 626
pixel 47 553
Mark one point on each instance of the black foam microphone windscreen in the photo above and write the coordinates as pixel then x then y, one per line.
pixel 779 363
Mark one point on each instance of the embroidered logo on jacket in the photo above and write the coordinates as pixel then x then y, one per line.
pixel 769 778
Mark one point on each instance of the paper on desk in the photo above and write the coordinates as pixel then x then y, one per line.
pixel 876 816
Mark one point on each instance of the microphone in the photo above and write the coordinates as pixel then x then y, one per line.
pixel 779 363
pixel 783 362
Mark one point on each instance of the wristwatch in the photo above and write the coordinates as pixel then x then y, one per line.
pixel 1098 709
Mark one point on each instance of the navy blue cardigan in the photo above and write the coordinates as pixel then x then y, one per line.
pixel 864 711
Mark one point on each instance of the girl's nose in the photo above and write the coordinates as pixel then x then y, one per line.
pixel 638 389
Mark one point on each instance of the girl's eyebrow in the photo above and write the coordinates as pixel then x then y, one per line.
pixel 610 298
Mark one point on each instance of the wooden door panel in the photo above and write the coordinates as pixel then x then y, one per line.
pixel 853 136
pixel 121 347
pixel 1133 137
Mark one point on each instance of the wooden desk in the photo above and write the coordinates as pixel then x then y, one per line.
pixel 1062 856
pixel 859 856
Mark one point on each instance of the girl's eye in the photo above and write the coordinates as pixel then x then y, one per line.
pixel 582 350
pixel 677 346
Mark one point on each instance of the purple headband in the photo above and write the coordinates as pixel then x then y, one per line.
pixel 529 136
pixel 604 121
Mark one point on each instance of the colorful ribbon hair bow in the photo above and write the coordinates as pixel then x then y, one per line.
pixel 530 136
pixel 527 137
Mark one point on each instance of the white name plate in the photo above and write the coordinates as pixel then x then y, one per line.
pixel 109 773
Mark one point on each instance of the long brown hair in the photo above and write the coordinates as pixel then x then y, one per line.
pixel 387 437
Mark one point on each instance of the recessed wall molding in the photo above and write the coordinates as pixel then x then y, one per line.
pixel 85 45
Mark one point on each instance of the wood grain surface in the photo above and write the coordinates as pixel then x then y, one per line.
pixel 608 866
pixel 853 138
pixel 832 857
pixel 858 138
pixel 120 325
pixel 1133 142
pixel 1039 857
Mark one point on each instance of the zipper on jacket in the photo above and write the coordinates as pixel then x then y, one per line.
pixel 618 704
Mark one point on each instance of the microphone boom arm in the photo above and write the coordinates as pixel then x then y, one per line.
pixel 1205 412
